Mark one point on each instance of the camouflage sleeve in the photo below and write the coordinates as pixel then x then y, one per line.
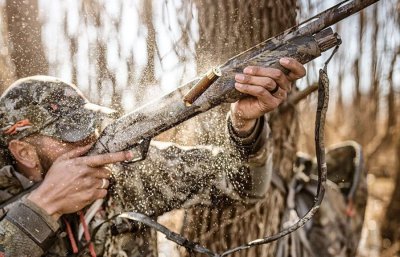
pixel 174 176
pixel 25 230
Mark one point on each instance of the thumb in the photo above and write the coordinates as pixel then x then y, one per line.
pixel 77 152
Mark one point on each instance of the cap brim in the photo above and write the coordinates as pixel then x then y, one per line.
pixel 80 124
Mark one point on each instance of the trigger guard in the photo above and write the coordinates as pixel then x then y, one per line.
pixel 139 151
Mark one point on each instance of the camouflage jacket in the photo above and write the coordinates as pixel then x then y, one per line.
pixel 171 177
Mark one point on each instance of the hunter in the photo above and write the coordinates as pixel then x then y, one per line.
pixel 47 126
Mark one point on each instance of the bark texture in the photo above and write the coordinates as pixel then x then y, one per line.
pixel 227 28
pixel 390 228
pixel 24 29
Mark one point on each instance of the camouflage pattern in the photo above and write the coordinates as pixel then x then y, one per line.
pixel 10 184
pixel 49 105
pixel 19 244
pixel 171 177
pixel 335 230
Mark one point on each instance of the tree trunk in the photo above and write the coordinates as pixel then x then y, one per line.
pixel 227 28
pixel 147 77
pixel 25 38
pixel 7 73
pixel 374 93
pixel 391 225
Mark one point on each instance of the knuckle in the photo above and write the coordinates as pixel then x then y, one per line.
pixel 92 182
pixel 259 91
pixel 255 69
pixel 87 197
pixel 87 202
pixel 102 193
pixel 86 182
pixel 246 78
pixel 245 87
pixel 85 171
pixel 92 194
pixel 286 85
pixel 264 93
pixel 67 163
pixel 105 172
pixel 270 83
pixel 278 74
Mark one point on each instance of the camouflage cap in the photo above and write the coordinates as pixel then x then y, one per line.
pixel 49 106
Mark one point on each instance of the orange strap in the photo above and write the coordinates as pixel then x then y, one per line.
pixel 71 237
pixel 87 234
pixel 13 129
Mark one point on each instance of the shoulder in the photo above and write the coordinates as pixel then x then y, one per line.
pixel 11 183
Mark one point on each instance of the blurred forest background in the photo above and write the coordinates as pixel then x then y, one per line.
pixel 124 53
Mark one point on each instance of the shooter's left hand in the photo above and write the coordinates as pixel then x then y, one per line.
pixel 258 83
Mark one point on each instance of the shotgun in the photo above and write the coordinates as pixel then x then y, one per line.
pixel 303 42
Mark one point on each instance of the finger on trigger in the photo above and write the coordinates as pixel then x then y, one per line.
pixel 103 159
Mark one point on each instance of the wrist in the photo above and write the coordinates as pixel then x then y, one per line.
pixel 45 203
pixel 242 127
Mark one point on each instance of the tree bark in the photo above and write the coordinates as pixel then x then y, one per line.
pixel 7 72
pixel 227 28
pixel 391 224
pixel 147 77
pixel 25 38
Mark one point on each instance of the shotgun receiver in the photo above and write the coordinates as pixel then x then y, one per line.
pixel 303 42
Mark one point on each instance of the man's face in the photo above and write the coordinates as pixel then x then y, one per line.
pixel 49 149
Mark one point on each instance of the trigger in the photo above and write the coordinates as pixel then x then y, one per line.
pixel 139 151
